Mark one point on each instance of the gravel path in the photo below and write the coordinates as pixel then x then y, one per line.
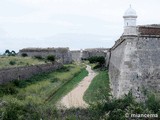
pixel 75 97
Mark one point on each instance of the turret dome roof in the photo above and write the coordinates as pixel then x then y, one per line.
pixel 130 12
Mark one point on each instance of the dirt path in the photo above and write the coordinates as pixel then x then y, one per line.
pixel 75 97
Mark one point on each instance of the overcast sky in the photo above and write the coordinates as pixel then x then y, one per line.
pixel 68 23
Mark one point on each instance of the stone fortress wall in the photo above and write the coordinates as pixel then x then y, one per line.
pixel 87 53
pixel 62 54
pixel 78 55
pixel 134 63
pixel 21 73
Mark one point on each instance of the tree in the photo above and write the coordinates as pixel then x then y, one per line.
pixel 100 60
pixel 7 52
pixel 97 59
pixel 13 53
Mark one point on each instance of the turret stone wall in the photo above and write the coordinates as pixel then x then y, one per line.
pixel 135 65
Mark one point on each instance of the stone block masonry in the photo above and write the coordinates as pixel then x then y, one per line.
pixel 76 55
pixel 87 53
pixel 135 64
pixel 21 73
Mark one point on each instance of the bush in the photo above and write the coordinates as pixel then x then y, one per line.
pixel 97 59
pixel 64 69
pixel 20 83
pixel 18 111
pixel 153 103
pixel 84 59
pixel 39 57
pixel 24 55
pixel 12 62
pixel 8 89
pixel 32 80
pixel 12 112
pixel 51 58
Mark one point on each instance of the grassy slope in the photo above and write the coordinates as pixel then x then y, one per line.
pixel 18 61
pixel 98 89
pixel 44 85
pixel 67 87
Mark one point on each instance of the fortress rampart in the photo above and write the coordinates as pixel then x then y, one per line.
pixel 21 73
pixel 135 63
pixel 87 53
pixel 76 55
pixel 62 54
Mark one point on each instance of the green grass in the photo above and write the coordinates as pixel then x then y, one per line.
pixel 67 87
pixel 93 65
pixel 27 99
pixel 99 88
pixel 28 103
pixel 40 87
pixel 17 61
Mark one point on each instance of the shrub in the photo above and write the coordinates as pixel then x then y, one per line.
pixel 24 55
pixel 32 80
pixel 8 89
pixel 18 111
pixel 97 59
pixel 84 59
pixel 12 62
pixel 39 57
pixel 12 112
pixel 64 69
pixel 153 103
pixel 51 58
pixel 20 83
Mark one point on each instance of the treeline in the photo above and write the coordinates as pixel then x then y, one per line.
pixel 10 53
